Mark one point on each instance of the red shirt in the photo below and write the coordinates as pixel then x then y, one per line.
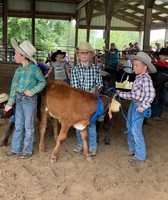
pixel 161 64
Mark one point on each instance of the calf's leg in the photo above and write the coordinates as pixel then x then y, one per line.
pixel 106 127
pixel 8 134
pixel 55 128
pixel 85 143
pixel 61 137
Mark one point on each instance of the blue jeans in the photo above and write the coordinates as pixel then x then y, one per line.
pixel 92 136
pixel 135 137
pixel 24 124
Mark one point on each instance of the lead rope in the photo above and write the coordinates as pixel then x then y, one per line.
pixel 146 113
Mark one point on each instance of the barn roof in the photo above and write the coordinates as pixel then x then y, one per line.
pixel 126 14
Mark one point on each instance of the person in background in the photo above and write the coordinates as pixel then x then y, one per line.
pixel 43 67
pixel 151 53
pixel 113 55
pixel 158 46
pixel 127 66
pixel 86 76
pixel 48 59
pixel 28 80
pixel 114 58
pixel 131 48
pixel 166 44
pixel 141 96
pixel 161 90
pixel 61 69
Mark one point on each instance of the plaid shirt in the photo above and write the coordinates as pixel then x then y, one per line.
pixel 86 78
pixel 142 91
pixel 26 78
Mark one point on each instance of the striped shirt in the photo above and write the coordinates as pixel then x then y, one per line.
pixel 142 91
pixel 86 78
pixel 26 78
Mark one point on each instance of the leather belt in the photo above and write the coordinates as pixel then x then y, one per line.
pixel 136 101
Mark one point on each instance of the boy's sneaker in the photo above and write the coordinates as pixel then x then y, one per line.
pixel 10 153
pixel 78 148
pixel 135 160
pixel 93 151
pixel 129 153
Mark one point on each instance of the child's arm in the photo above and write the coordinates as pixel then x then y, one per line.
pixel 48 73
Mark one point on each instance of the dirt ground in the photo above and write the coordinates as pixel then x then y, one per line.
pixel 109 176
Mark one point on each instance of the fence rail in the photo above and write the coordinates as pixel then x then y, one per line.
pixel 7 54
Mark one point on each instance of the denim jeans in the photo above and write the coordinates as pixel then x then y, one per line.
pixel 24 124
pixel 92 136
pixel 135 137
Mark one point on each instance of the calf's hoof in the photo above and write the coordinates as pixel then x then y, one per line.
pixel 41 150
pixel 53 160
pixel 3 145
pixel 89 158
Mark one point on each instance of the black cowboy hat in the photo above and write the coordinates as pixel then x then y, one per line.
pixel 163 51
pixel 58 52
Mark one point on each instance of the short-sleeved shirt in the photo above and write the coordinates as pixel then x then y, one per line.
pixel 86 78
pixel 59 70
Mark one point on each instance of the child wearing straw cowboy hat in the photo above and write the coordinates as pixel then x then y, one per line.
pixel 86 76
pixel 28 80
pixel 142 95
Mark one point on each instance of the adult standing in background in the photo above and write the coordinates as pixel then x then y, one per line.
pixel 113 56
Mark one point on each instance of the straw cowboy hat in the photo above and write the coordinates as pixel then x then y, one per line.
pixel 25 48
pixel 3 97
pixel 143 57
pixel 85 47
pixel 58 52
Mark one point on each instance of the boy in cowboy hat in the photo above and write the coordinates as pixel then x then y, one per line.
pixel 28 80
pixel 142 95
pixel 61 70
pixel 86 76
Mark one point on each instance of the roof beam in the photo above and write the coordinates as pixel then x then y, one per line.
pixel 125 19
pixel 124 3
pixel 81 4
pixel 160 8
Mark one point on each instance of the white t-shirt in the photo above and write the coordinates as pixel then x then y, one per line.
pixel 128 67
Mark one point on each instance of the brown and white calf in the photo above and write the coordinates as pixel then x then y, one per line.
pixel 70 106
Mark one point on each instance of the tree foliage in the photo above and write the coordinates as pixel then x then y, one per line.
pixel 51 35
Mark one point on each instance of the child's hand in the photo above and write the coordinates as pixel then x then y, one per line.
pixel 28 93
pixel 140 109
pixel 117 92
pixel 7 108
pixel 46 76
